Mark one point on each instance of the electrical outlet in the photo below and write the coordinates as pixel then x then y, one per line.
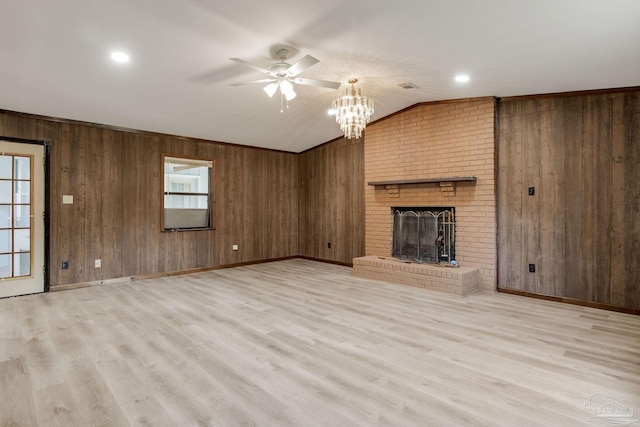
pixel 234 247
pixel 65 265
pixel 98 263
pixel 532 268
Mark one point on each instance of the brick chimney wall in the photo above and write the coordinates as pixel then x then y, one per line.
pixel 436 140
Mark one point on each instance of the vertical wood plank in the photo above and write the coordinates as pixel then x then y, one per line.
pixel 575 274
pixel 354 205
pixel 141 206
pixel 113 201
pixel 531 204
pixel 205 242
pixel 230 223
pixel 597 197
pixel 552 199
pixel 94 203
pixel 73 217
pixel 510 196
pixel 103 204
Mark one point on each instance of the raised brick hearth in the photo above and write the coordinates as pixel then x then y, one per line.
pixel 459 281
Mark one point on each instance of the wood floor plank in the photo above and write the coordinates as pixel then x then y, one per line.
pixel 56 407
pixel 16 396
pixel 300 343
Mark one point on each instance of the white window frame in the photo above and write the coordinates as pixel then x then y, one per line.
pixel 187 218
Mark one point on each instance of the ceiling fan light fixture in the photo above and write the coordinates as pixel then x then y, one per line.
pixel 353 111
pixel 270 89
pixel 287 90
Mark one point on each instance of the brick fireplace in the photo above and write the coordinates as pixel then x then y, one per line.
pixel 436 154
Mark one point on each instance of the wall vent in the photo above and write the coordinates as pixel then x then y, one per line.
pixel 409 85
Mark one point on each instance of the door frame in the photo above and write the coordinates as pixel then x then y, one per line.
pixel 47 148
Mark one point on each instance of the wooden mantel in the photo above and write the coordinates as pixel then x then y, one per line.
pixel 446 183
pixel 423 180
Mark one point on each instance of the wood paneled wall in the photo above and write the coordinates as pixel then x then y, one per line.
pixel 116 180
pixel 582 227
pixel 332 201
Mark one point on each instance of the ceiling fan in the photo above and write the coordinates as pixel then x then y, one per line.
pixel 282 75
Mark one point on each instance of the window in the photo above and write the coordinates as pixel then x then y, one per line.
pixel 187 194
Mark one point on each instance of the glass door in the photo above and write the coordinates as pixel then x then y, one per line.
pixel 21 219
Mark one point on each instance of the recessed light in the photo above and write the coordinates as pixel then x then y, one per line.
pixel 119 56
pixel 462 78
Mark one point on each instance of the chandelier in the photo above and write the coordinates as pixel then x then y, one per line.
pixel 353 111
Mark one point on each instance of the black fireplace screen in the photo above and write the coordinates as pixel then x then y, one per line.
pixel 424 234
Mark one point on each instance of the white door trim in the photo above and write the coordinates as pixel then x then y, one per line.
pixel 38 280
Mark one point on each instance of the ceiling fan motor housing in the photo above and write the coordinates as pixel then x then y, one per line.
pixel 280 69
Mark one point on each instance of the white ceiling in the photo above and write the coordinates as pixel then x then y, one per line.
pixel 55 58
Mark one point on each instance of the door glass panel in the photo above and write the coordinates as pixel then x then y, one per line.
pixel 23 192
pixel 22 216
pixel 5 167
pixel 23 168
pixel 15 220
pixel 5 241
pixel 5 266
pixel 5 216
pixel 5 192
pixel 22 264
pixel 22 240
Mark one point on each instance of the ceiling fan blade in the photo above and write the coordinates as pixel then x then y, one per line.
pixel 302 65
pixel 254 81
pixel 315 82
pixel 255 67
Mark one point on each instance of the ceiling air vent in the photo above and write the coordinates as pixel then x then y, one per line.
pixel 409 85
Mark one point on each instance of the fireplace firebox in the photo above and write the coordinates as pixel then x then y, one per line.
pixel 424 234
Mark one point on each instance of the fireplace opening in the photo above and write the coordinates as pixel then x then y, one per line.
pixel 424 234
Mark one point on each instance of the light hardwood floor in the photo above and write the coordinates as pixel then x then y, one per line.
pixel 303 343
